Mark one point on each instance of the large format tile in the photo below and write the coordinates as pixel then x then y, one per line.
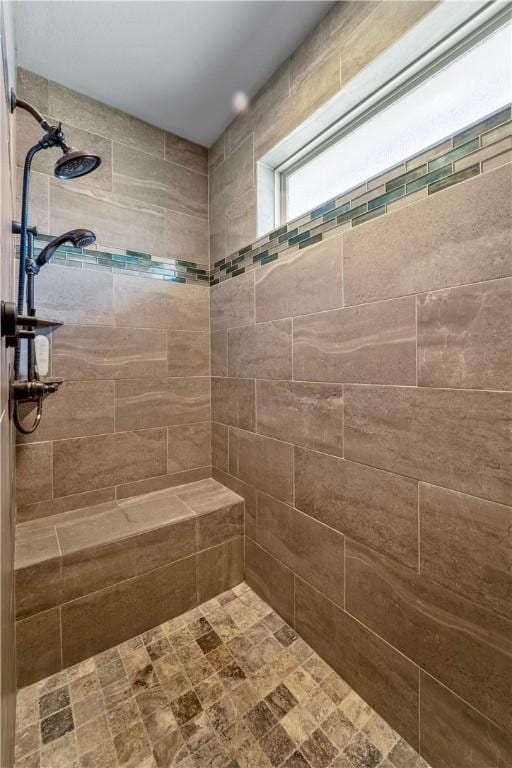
pixel 157 182
pixel 454 734
pixel 158 304
pixel 164 545
pixel 186 238
pixel 235 176
pixel 76 296
pixel 459 236
pixel 219 353
pixel 220 448
pixel 246 491
pixel 464 336
pixel 307 281
pixel 234 402
pixel 188 353
pixel 78 408
pixel 375 343
pixel 86 463
pixel 95 352
pixel 262 462
pixel 232 302
pixel 466 545
pixel 270 579
pixel 466 647
pixel 378 508
pixel 185 152
pixel 220 568
pixel 48 507
pixel 261 351
pixel 312 550
pixel 38 646
pixel 381 675
pixel 454 438
pixel 145 403
pixel 95 568
pixel 310 415
pixel 188 446
pixel 33 473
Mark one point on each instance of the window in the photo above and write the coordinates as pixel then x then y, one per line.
pixel 464 86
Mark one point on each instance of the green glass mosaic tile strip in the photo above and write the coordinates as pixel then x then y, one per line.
pixel 388 197
pixel 455 154
pixel 270 257
pixel 298 238
pixel 405 178
pixel 311 241
pixel 484 125
pixel 352 213
pixel 455 178
pixel 428 178
pixel 368 216
pixel 325 208
pixel 336 212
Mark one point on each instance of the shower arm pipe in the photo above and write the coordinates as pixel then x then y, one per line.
pixel 15 102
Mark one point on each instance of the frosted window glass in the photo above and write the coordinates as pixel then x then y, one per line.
pixel 474 85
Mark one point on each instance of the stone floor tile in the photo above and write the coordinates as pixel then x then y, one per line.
pixel 362 753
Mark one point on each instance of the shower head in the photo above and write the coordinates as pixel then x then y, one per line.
pixel 75 163
pixel 79 238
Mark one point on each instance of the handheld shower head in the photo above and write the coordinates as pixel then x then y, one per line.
pixel 75 163
pixel 79 237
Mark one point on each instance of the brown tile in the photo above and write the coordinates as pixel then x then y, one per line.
pixel 296 760
pixel 305 414
pixel 453 438
pixel 38 647
pixel 373 343
pixel 295 285
pixel 185 152
pixel 379 673
pixel 165 545
pixel 98 621
pixel 56 725
pixel 462 337
pixel 263 462
pixel 232 302
pixel 188 353
pixel 465 545
pixel 376 507
pixel 222 525
pixel 247 492
pixel 270 579
pixel 86 463
pixel 161 482
pixel 219 353
pixel 38 587
pixel 159 304
pixel 132 745
pixel 186 238
pixel 188 446
pixel 168 748
pixel 319 750
pixel 220 448
pixel 260 720
pixel 94 352
pixel 186 707
pixel 79 408
pixel 33 473
pixel 468 244
pixel 53 701
pixel 362 753
pixel 220 568
pixel 281 700
pixel 310 549
pixel 146 403
pixel 75 298
pixel 234 402
pixel 96 568
pixel 458 642
pixel 455 734
pixel 261 351
pixel 64 504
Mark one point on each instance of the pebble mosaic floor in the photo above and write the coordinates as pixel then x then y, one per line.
pixel 226 685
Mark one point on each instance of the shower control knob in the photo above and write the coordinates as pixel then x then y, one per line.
pixel 9 322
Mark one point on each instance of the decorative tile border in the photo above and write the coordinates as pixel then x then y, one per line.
pixel 468 153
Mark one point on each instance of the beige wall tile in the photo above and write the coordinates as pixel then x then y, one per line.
pixel 39 199
pixel 463 336
pixel 116 220
pixel 37 586
pixel 312 550
pixel 263 350
pixel 86 463
pixel 186 237
pixel 185 152
pixel 222 525
pixel 262 462
pixel 458 236
pixel 219 569
pixel 466 545
pixel 220 448
pixel 95 568
pixel 232 302
pixel 160 482
pixel 234 177
pixel 38 647
pixel 65 504
pixel 310 280
pixel 157 182
pixel 165 545
pixel 234 402
pixel 144 403
pixel 246 491
pixel 378 508
pixel 219 353
pixel 94 352
pixel 188 353
pixel 32 88
pixel 75 296
pixel 155 304
pixel 454 438
pixel 374 343
pixel 484 154
pixel 466 647
pixel 33 473
pixel 188 446
pixel 91 115
pixel 241 222
pixel 453 733
pixel 310 415
pixel 216 153
pixel 385 679
pixel 272 580
pixel 79 408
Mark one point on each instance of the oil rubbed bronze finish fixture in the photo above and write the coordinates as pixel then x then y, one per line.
pixel 71 165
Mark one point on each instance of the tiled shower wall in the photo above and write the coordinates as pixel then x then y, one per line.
pixel 133 414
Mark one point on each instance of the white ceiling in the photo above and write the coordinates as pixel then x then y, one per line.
pixel 174 64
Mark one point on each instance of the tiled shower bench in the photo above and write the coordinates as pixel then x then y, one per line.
pixel 89 579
